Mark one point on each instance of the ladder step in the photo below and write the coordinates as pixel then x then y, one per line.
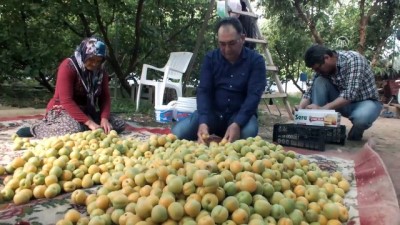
pixel 274 95
pixel 261 41
pixel 272 68
pixel 245 13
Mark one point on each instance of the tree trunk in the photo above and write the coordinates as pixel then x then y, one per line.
pixel 362 27
pixel 309 22
pixel 386 32
pixel 364 17
pixel 86 26
pixel 375 57
pixel 44 82
pixel 112 57
pixel 295 84
pixel 362 30
pixel 135 53
pixel 200 38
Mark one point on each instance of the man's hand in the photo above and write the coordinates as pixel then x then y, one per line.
pixel 313 106
pixel 295 109
pixel 303 104
pixel 106 125
pixel 202 133
pixel 92 125
pixel 232 133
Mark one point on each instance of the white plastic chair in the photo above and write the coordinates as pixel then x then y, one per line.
pixel 173 72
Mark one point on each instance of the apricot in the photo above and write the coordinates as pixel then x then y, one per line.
pixel 176 211
pixel 199 176
pixel 331 211
pixel 262 207
pixel 175 185
pixel 240 216
pixel 206 220
pixel 159 214
pixel 192 207
pixel 72 215
pixel 219 214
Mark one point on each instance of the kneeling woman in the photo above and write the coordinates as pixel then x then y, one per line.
pixel 81 99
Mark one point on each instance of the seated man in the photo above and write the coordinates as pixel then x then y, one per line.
pixel 343 81
pixel 232 80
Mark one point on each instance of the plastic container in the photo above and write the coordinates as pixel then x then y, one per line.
pixel 308 136
pixel 164 113
pixel 182 113
pixel 188 102
pixel 183 107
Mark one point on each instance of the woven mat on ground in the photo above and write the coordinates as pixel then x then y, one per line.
pixel 371 199
pixel 376 198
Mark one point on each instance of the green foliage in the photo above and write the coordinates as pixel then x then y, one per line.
pixel 127 106
pixel 31 40
pixel 287 45
pixel 293 99
pixel 21 95
pixel 335 19
pixel 36 36
pixel 122 105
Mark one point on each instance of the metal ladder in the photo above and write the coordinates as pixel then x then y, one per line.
pixel 271 68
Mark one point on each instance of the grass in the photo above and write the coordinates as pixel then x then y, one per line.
pixel 293 99
pixel 24 97
pixel 268 120
pixel 127 106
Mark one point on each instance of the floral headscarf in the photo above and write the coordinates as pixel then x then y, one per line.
pixel 91 80
pixel 88 48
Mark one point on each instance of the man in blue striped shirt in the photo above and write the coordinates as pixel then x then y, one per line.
pixel 232 80
pixel 343 81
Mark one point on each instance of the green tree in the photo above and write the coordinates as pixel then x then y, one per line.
pixel 365 25
pixel 287 44
pixel 37 35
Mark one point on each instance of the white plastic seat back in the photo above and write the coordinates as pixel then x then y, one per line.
pixel 173 72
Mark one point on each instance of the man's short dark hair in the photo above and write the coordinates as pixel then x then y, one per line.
pixel 315 55
pixel 235 22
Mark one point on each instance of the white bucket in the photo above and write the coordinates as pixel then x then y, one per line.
pixel 163 113
pixel 183 107
pixel 187 102
pixel 181 113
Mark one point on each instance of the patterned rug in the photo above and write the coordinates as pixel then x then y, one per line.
pixel 370 199
pixel 375 196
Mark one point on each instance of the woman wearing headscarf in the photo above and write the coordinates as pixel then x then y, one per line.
pixel 81 99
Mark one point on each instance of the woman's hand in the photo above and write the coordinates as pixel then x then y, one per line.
pixel 106 125
pixel 92 125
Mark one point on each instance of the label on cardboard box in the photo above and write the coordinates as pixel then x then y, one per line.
pixel 317 117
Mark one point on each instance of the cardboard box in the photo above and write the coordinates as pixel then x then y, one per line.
pixel 317 117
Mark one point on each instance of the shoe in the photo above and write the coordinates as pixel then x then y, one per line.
pixel 24 132
pixel 355 134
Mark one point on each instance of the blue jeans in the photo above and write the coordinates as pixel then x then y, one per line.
pixel 362 114
pixel 187 128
